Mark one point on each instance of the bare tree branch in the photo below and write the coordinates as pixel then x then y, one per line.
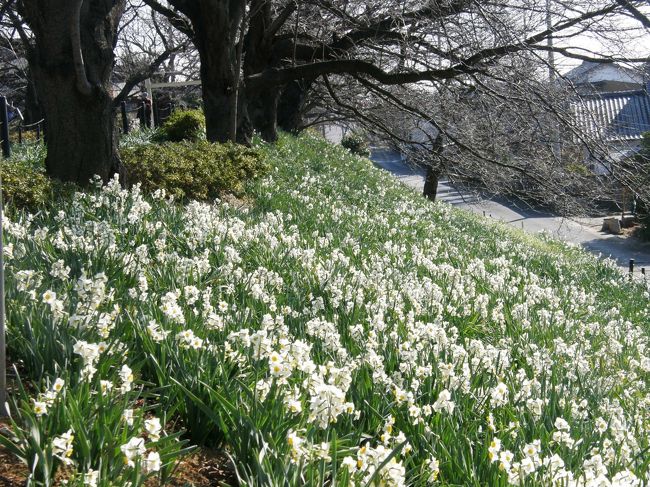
pixel 636 13
pixel 280 20
pixel 144 73
pixel 176 20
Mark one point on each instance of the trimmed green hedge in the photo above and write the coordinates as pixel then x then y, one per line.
pixel 198 170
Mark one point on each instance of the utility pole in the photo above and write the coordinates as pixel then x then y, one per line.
pixel 549 43
pixel 556 146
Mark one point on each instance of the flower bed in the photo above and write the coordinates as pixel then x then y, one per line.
pixel 341 329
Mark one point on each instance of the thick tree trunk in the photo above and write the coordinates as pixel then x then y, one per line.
pixel 217 103
pixel 81 142
pixel 216 25
pixel 33 109
pixel 261 103
pixel 291 104
pixel 71 71
pixel 263 112
pixel 218 80
pixel 218 106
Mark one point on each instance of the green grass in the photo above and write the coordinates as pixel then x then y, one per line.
pixel 339 330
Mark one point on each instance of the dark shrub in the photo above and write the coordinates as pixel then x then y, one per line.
pixel 356 144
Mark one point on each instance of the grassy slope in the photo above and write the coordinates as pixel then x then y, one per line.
pixel 363 293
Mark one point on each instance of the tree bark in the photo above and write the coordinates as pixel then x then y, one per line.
pixel 431 182
pixel 261 103
pixel 33 109
pixel 80 123
pixel 263 112
pixel 215 26
pixel 291 104
pixel 435 169
pixel 218 92
pixel 217 83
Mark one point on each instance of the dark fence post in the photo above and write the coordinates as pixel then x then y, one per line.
pixel 140 114
pixel 143 119
pixel 38 131
pixel 631 266
pixel 156 113
pixel 125 118
pixel 6 149
pixel 20 134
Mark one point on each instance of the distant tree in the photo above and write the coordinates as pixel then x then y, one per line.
pixel 508 131
pixel 148 47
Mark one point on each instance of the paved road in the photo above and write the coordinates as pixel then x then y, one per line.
pixel 583 231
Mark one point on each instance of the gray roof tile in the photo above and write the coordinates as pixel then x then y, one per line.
pixel 615 116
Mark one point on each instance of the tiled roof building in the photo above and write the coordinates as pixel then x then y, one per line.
pixel 614 117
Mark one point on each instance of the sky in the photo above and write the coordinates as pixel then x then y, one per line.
pixel 632 42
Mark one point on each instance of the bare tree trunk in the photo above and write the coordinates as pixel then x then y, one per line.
pixel 217 103
pixel 431 181
pixel 213 26
pixel 261 103
pixel 218 93
pixel 263 112
pixel 215 32
pixel 435 169
pixel 291 103
pixel 80 131
pixel 71 71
